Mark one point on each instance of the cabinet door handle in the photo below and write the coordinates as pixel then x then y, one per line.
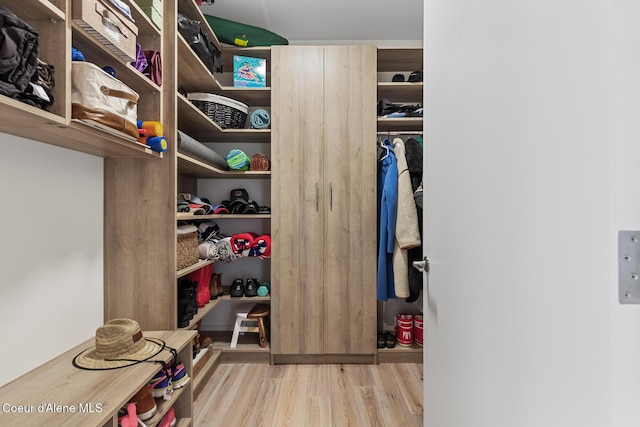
pixel 330 197
pixel 317 197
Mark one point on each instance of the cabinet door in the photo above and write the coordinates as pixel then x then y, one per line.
pixel 350 212
pixel 297 197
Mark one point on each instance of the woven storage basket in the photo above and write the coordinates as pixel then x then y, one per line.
pixel 226 112
pixel 187 252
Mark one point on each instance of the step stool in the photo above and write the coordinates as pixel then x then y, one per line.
pixel 251 319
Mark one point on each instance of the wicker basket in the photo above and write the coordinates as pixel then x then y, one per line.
pixel 226 112
pixel 187 252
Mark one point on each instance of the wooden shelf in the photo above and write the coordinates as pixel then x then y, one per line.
pixel 193 167
pixel 38 10
pixel 201 263
pixel 401 92
pixel 49 383
pixel 100 55
pixel 229 51
pixel 203 311
pixel 193 75
pixel 189 9
pixel 204 371
pixel 187 216
pixel 196 124
pixel 146 28
pixel 247 350
pixel 400 354
pixel 400 124
pixel 393 59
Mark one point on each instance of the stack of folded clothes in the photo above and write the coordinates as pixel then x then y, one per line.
pixel 217 246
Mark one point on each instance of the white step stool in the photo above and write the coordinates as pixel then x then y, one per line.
pixel 250 318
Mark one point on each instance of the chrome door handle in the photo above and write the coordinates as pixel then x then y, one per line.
pixel 421 266
pixel 317 197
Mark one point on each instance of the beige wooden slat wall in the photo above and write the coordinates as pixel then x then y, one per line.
pixel 296 197
pixel 350 216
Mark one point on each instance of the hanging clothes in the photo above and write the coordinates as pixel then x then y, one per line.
pixel 407 232
pixel 387 205
pixel 414 162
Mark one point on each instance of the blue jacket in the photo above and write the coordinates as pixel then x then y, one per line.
pixel 387 206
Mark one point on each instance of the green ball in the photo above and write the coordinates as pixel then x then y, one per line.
pixel 238 160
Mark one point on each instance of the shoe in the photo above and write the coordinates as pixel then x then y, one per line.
pixel 169 419
pixel 196 340
pixel 251 288
pixel 389 339
pixel 213 287
pixel 183 316
pixel 381 340
pixel 145 404
pixel 127 416
pixel 179 376
pixel 161 385
pixel 237 288
pixel 205 342
pixel 220 287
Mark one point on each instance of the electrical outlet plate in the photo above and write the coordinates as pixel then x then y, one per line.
pixel 629 267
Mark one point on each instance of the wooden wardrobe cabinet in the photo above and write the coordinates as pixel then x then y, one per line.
pixel 324 204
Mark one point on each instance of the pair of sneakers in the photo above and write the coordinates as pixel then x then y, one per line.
pixel 241 289
pixel 167 380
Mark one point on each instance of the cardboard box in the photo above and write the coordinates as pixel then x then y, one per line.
pixel 249 71
pixel 107 25
pixel 154 15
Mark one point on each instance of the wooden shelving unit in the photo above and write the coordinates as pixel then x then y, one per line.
pixel 404 61
pixel 198 169
pixel 109 388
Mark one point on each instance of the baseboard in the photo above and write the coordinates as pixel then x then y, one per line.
pixel 361 359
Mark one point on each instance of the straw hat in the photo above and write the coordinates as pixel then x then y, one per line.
pixel 118 343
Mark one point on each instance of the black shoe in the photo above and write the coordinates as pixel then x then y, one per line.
pixel 251 288
pixel 237 288
pixel 381 340
pixel 390 339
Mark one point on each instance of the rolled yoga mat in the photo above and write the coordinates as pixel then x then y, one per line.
pixel 199 151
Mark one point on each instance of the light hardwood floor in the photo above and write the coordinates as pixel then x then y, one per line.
pixel 257 395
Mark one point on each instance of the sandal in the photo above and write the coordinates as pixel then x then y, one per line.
pixel 390 339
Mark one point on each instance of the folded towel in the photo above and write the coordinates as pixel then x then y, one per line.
pixel 241 243
pixel 225 253
pixel 261 246
pixel 208 250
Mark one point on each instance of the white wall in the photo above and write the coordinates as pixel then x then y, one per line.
pixel 625 80
pixel 518 214
pixel 50 252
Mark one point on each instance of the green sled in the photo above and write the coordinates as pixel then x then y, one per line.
pixel 236 33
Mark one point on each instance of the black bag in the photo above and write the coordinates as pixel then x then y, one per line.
pixel 19 52
pixel 199 42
